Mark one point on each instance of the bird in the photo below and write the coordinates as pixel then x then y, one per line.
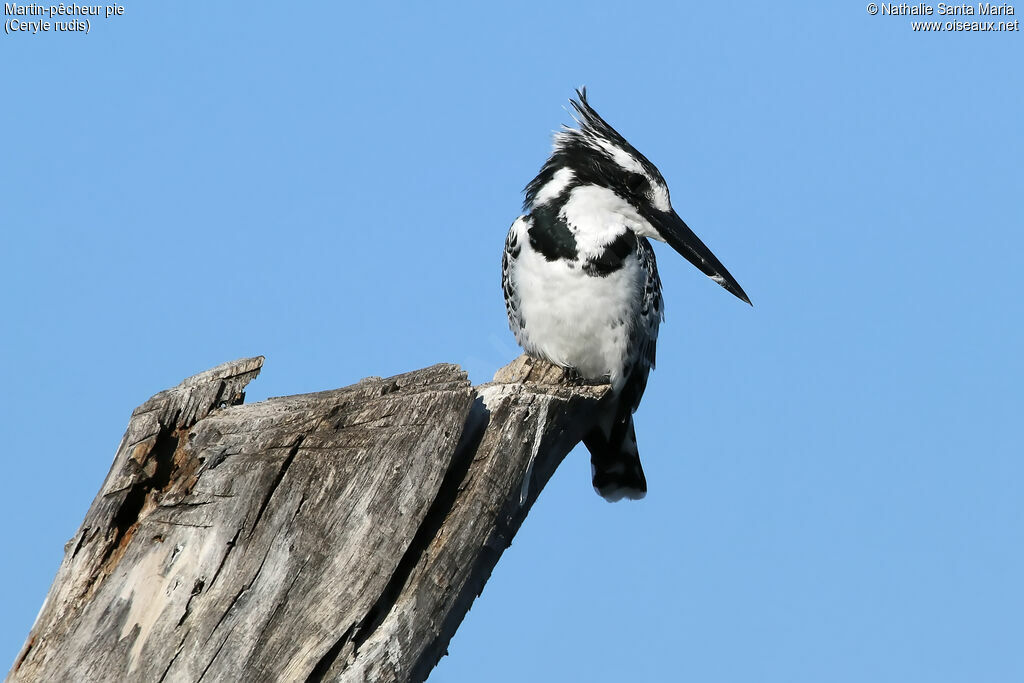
pixel 581 284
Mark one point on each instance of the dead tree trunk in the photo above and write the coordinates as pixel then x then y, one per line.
pixel 341 535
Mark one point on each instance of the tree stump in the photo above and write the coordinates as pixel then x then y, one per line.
pixel 340 535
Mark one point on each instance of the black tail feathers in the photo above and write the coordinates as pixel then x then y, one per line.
pixel 616 468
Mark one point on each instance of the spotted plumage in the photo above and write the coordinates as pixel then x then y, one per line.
pixel 581 281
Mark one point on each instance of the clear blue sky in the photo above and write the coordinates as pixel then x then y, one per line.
pixel 835 475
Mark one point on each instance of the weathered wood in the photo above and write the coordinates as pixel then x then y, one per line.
pixel 341 535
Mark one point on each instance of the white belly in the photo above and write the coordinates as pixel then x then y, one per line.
pixel 577 320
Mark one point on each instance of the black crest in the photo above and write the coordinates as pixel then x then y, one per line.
pixel 585 150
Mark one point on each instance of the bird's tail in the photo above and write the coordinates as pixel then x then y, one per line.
pixel 614 459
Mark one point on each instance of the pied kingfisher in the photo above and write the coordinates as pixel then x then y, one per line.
pixel 581 283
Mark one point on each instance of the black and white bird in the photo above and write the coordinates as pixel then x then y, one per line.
pixel 581 282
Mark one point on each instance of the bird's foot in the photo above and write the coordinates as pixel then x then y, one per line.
pixel 574 379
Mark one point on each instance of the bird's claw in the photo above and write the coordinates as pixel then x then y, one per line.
pixel 574 379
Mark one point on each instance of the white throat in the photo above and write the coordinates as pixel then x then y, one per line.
pixel 596 216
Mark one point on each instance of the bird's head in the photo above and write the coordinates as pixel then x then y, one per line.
pixel 597 164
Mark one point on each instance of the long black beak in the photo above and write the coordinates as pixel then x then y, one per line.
pixel 677 234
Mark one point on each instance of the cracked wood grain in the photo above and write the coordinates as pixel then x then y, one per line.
pixel 341 535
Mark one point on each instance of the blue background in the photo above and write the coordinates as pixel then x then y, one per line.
pixel 836 474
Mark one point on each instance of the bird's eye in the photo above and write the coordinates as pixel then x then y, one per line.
pixel 636 183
